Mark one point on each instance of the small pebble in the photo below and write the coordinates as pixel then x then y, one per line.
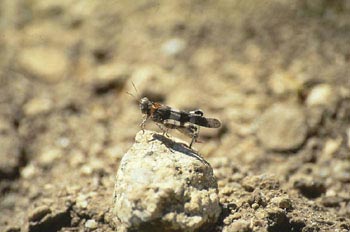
pixel 91 224
pixel 282 202
pixel 49 156
pixel 330 148
pixel 28 171
pixel 46 63
pixel 255 206
pixel 86 170
pixel 81 201
pixel 282 127
pixel 260 214
pixel 321 95
pixel 37 106
pixel 173 46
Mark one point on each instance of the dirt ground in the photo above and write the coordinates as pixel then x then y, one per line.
pixel 276 73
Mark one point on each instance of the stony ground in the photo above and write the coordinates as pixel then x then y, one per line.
pixel 277 75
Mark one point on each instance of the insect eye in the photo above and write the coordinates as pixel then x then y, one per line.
pixel 144 107
pixel 144 100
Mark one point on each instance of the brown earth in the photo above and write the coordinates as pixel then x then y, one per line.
pixel 276 73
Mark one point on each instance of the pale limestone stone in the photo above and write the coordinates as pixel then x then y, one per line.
pixel 163 185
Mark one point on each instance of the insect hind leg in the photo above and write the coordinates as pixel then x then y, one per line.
pixel 195 135
pixel 192 141
pixel 191 131
pixel 188 129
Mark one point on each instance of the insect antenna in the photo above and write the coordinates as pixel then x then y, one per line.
pixel 132 95
pixel 137 92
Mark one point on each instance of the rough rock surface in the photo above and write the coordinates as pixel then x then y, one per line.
pixel 282 127
pixel 164 186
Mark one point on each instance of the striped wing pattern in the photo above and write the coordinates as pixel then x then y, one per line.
pixel 183 117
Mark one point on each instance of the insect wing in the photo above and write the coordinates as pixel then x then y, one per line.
pixel 203 121
pixel 213 122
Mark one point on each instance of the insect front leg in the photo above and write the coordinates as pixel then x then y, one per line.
pixel 170 124
pixel 143 123
pixel 163 129
pixel 191 131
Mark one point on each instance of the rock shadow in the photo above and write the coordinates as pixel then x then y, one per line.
pixel 179 147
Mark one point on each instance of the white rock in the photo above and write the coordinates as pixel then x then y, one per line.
pixel 321 95
pixel 28 171
pixel 91 224
pixel 86 170
pixel 173 46
pixel 164 185
pixel 81 201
